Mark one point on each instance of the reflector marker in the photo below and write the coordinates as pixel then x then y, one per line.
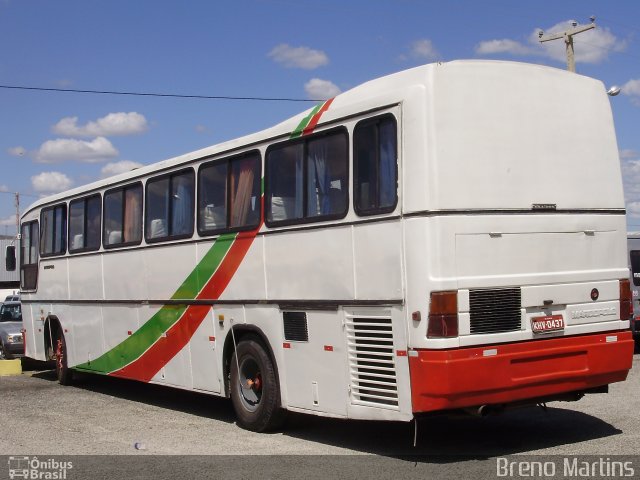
pixel 490 353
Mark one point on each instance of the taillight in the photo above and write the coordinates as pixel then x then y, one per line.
pixel 443 315
pixel 626 306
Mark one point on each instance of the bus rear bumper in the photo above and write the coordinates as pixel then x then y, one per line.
pixel 506 373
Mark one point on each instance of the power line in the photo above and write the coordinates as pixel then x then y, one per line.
pixel 166 95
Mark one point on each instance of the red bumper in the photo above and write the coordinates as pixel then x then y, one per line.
pixel 504 373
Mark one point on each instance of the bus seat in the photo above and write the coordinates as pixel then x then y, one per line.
pixel 158 228
pixel 115 236
pixel 78 242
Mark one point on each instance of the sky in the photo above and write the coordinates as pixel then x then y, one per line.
pixel 277 49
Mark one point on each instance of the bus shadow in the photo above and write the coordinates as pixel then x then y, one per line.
pixel 439 439
pixel 193 403
pixel 445 439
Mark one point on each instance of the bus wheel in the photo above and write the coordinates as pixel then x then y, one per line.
pixel 255 393
pixel 63 372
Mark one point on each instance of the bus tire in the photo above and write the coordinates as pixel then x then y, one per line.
pixel 63 372
pixel 255 392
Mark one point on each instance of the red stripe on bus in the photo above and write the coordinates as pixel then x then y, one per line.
pixel 316 118
pixel 160 353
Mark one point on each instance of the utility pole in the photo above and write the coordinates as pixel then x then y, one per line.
pixel 568 39
pixel 17 202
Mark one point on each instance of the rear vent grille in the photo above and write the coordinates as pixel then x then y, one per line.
pixel 495 310
pixel 371 361
pixel 295 326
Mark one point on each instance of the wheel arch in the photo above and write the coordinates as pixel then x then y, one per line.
pixel 240 332
pixel 52 326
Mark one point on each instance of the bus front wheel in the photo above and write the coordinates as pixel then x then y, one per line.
pixel 255 393
pixel 63 372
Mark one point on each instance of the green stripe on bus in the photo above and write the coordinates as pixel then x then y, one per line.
pixel 305 121
pixel 140 341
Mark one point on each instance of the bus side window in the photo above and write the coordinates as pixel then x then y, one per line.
pixel 285 183
pixel 169 212
pixel 635 266
pixel 53 233
pixel 229 194
pixel 375 166
pixel 212 197
pixel 84 224
pixel 29 256
pixel 244 191
pixel 306 179
pixel 122 216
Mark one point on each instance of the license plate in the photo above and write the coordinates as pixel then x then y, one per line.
pixel 548 323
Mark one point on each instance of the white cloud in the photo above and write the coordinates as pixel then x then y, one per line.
pixel 113 124
pixel 65 149
pixel 115 168
pixel 321 89
pixel 632 89
pixel 591 46
pixel 298 57
pixel 424 49
pixel 4 188
pixel 50 182
pixel 201 129
pixel 505 45
pixel 17 151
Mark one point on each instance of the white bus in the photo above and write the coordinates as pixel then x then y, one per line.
pixel 447 237
pixel 633 244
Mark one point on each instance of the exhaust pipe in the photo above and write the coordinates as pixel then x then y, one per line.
pixel 484 410
pixel 481 411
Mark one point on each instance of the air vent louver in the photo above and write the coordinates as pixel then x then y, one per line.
pixel 371 361
pixel 295 326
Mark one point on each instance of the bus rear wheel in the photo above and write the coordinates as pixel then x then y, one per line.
pixel 255 392
pixel 63 372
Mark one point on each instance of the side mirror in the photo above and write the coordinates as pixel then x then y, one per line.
pixel 10 258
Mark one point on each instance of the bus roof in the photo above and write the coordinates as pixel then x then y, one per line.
pixel 387 90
